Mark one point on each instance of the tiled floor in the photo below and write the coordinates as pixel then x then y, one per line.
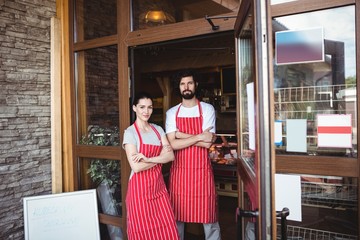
pixel 227 208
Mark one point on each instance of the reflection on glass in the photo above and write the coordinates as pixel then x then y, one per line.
pixel 94 19
pixel 281 1
pixel 247 103
pixel 148 14
pixel 110 232
pixel 104 176
pixel 97 93
pixel 329 209
pixel 321 93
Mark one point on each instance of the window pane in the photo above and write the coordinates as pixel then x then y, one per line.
pixel 148 14
pixel 281 1
pixel 94 19
pixel 320 96
pixel 97 92
pixel 110 232
pixel 329 209
pixel 104 176
pixel 247 94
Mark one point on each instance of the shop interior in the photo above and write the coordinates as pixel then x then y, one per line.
pixel 213 58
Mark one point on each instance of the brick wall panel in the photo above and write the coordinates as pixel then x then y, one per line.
pixel 25 164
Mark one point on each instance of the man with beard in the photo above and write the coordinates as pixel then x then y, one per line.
pixel 190 128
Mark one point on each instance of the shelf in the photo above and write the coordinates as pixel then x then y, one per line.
pixel 339 196
pixel 296 232
pixel 229 189
pixel 225 172
pixel 229 111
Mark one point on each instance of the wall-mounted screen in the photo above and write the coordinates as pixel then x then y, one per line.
pixel 228 81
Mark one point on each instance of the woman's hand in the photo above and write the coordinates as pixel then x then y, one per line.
pixel 138 157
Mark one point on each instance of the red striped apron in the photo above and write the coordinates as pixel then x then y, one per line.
pixel 191 181
pixel 149 212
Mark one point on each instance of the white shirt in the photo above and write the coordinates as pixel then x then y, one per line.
pixel 208 112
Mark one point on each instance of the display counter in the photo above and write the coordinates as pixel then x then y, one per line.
pixel 223 155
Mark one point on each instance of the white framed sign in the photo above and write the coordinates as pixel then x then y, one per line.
pixel 72 215
pixel 299 46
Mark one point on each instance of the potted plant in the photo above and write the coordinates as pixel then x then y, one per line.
pixel 105 174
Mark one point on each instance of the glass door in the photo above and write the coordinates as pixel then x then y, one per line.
pixel 315 111
pixel 300 122
pixel 255 162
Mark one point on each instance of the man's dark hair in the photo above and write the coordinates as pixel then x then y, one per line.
pixel 186 73
pixel 189 72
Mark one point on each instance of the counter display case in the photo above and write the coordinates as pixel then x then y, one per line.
pixel 224 157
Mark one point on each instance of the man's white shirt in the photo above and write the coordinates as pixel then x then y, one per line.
pixel 208 113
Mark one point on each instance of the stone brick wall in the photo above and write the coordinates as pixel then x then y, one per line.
pixel 25 168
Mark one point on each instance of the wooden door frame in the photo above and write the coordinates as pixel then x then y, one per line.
pixel 260 179
pixel 124 39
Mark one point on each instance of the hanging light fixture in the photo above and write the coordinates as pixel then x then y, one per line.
pixel 155 16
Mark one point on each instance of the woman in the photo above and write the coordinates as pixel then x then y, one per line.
pixel 149 213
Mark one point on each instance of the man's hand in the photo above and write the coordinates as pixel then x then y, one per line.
pixel 180 140
pixel 166 148
pixel 207 136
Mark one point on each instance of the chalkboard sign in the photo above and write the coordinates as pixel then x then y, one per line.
pixel 63 216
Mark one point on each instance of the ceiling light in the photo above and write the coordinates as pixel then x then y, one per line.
pixel 155 16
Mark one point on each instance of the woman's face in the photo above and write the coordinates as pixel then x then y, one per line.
pixel 143 109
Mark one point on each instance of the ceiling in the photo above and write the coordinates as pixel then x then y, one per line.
pixel 200 8
pixel 179 10
pixel 202 52
pixel 206 53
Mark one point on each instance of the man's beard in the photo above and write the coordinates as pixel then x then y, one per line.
pixel 188 95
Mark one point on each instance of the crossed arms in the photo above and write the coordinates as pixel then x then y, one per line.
pixel 139 162
pixel 180 140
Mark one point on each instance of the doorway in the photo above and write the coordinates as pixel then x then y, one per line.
pixel 213 57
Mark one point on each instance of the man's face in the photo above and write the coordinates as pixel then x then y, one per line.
pixel 187 87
